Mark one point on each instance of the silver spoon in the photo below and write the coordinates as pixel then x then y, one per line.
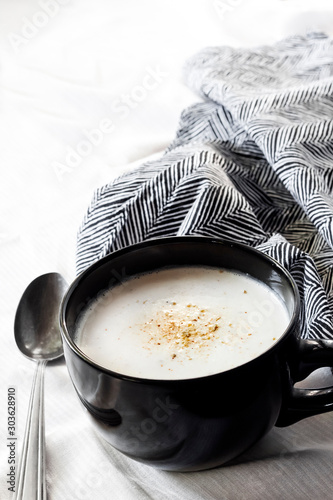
pixel 37 335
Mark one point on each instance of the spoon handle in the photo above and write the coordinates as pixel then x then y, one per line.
pixel 31 476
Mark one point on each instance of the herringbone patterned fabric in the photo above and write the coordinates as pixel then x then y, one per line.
pixel 253 163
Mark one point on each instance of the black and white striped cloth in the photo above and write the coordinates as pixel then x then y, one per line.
pixel 252 162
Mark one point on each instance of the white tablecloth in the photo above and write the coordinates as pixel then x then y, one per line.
pixel 89 88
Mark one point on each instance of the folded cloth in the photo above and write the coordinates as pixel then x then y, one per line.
pixel 253 163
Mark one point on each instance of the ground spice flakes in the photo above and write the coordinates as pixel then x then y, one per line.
pixel 182 328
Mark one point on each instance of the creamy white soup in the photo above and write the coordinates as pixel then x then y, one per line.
pixel 181 323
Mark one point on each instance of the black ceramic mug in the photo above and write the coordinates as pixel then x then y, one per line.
pixel 198 423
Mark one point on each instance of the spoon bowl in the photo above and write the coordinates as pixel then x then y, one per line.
pixel 37 335
pixel 36 328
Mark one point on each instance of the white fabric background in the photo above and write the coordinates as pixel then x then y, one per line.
pixel 66 65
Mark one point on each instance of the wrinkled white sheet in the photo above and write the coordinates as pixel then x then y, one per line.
pixel 89 88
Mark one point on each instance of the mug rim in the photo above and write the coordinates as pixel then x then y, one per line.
pixel 166 240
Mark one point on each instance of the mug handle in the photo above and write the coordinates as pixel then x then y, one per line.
pixel 303 403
